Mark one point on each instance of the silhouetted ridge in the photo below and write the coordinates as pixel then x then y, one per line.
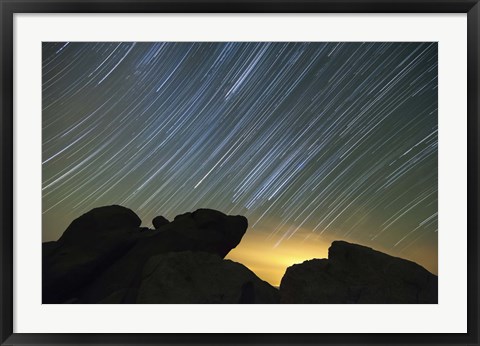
pixel 104 256
pixel 358 274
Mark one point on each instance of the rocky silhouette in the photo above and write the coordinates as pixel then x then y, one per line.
pixel 200 277
pixel 101 256
pixel 91 244
pixel 358 274
pixel 105 257
pixel 159 221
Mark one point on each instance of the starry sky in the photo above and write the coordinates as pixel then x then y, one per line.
pixel 311 141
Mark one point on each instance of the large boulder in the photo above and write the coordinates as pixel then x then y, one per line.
pixel 209 230
pixel 90 244
pixel 201 278
pixel 101 255
pixel 159 221
pixel 100 222
pixel 204 230
pixel 358 274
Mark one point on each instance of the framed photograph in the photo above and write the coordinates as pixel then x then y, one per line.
pixel 239 172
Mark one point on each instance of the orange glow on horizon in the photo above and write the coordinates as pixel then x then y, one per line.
pixel 258 253
pixel 269 262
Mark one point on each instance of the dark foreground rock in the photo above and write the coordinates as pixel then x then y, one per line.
pixel 91 243
pixel 203 278
pixel 101 256
pixel 99 222
pixel 358 274
pixel 159 221
pixel 105 257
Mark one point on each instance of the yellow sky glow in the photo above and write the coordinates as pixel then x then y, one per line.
pixel 269 262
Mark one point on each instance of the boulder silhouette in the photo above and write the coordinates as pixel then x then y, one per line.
pixel 204 230
pixel 90 244
pixel 159 221
pixel 203 278
pixel 105 257
pixel 209 230
pixel 100 222
pixel 101 255
pixel 358 274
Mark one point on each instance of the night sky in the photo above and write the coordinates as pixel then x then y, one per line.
pixel 312 142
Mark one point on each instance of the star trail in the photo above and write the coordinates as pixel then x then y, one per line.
pixel 310 141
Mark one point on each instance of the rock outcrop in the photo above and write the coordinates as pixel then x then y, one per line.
pixel 203 278
pixel 358 274
pixel 90 244
pixel 106 257
pixel 208 230
pixel 159 221
pixel 99 222
pixel 101 256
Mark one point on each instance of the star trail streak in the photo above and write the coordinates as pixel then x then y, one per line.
pixel 310 141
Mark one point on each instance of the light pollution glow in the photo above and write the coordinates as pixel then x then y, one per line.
pixel 269 261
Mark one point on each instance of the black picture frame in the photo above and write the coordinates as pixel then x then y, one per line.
pixel 10 7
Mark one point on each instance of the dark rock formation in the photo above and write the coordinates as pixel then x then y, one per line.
pixel 98 222
pixel 209 230
pixel 101 255
pixel 104 256
pixel 358 274
pixel 90 244
pixel 159 221
pixel 203 278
